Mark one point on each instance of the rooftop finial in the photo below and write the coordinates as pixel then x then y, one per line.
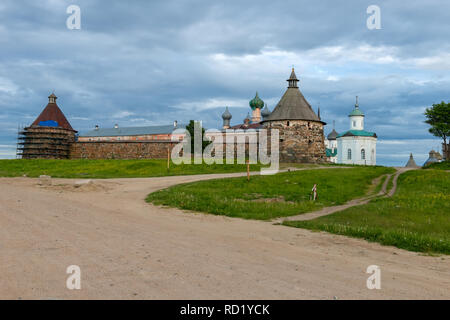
pixel 292 80
pixel 334 122
pixel 52 98
pixel 356 104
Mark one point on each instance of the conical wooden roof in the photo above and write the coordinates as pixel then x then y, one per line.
pixel 53 113
pixel 293 105
pixel 411 163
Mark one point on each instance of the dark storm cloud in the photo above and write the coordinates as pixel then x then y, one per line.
pixel 150 62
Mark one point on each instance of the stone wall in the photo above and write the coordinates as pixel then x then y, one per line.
pixel 120 150
pixel 300 141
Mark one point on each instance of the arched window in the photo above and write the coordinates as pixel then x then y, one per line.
pixel 354 123
pixel 349 154
pixel 363 154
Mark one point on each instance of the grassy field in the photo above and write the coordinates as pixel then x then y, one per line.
pixel 267 197
pixel 416 218
pixel 109 168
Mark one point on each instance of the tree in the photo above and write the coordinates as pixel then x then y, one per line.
pixel 438 117
pixel 190 128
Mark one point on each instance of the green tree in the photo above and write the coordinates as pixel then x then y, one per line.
pixel 190 128
pixel 438 117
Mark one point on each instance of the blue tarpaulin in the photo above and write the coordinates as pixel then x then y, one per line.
pixel 48 123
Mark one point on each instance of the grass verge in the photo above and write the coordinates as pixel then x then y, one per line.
pixel 102 169
pixel 268 197
pixel 416 218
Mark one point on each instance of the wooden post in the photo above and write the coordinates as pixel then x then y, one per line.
pixel 314 192
pixel 248 170
pixel 168 158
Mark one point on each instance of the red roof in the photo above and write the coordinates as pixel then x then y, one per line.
pixel 53 112
pixel 249 126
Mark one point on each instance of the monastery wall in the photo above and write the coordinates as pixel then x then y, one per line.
pixel 120 150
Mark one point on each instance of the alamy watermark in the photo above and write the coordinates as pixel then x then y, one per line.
pixel 374 20
pixel 73 22
pixel 228 146
pixel 374 281
pixel 73 282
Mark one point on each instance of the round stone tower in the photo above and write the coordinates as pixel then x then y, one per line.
pixel 300 128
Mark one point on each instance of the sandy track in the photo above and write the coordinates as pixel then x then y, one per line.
pixel 129 249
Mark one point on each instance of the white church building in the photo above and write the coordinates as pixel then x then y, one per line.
pixel 355 146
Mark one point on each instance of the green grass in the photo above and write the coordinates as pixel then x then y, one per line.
pixel 416 218
pixel 267 197
pixel 390 184
pixel 445 165
pixel 380 185
pixel 101 169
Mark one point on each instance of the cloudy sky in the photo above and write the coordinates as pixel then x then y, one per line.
pixel 151 62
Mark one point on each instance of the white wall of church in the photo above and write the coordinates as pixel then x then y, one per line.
pixel 356 155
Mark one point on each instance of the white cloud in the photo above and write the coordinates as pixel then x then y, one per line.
pixel 332 78
pixel 122 114
pixel 7 86
pixel 211 104
pixel 439 62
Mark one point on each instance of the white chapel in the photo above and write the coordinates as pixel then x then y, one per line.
pixel 357 146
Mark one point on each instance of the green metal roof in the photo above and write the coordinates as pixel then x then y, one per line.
pixel 330 152
pixel 358 133
pixel 356 112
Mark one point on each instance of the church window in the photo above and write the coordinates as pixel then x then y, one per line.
pixel 354 123
pixel 363 154
pixel 349 154
pixel 288 123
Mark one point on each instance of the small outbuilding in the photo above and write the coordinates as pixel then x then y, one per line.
pixel 411 163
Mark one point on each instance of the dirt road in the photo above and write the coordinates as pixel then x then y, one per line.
pixel 129 249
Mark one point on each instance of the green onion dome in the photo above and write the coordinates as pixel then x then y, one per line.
pixel 256 102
